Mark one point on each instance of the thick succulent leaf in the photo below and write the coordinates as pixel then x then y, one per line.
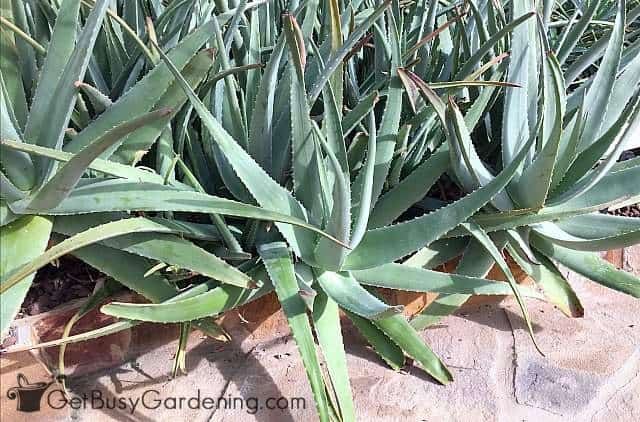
pixel 569 40
pixel 212 302
pixel 389 351
pixel 475 262
pixel 404 277
pixel 125 195
pixel 590 265
pixel 166 248
pixel 225 272
pixel 277 260
pixel 601 87
pixel 142 97
pixel 327 254
pixel 410 189
pixel 365 197
pixel 57 112
pixel 362 109
pixel 315 88
pixel 613 189
pixel 598 225
pixel 553 283
pixel 558 236
pixel 519 115
pixel 21 241
pixel 534 183
pixel 486 242
pixel 411 236
pixel 59 52
pixel 405 336
pixel 326 321
pixel 102 166
pixel 67 177
pixel 438 253
pixel 264 189
pixel 345 290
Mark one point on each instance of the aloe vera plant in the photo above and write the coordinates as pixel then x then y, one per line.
pixel 307 136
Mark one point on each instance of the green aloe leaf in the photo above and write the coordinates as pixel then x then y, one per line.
pixel 589 265
pixel 475 262
pixel 326 321
pixel 57 112
pixel 21 241
pixel 267 192
pixel 126 195
pixel 600 90
pixel 67 177
pixel 279 265
pixel 210 302
pixel 96 234
pixel 405 336
pixel 554 285
pixel 350 295
pixel 389 351
pixel 404 277
pixel 412 235
pixel 486 242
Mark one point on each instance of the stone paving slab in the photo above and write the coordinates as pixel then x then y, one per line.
pixel 591 371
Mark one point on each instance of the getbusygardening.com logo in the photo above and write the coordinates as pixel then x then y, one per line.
pixel 29 398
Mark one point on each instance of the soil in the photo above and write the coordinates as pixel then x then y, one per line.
pixel 54 285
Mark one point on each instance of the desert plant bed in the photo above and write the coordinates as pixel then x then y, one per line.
pixel 205 154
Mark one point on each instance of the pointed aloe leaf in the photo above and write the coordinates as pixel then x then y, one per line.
pixel 571 38
pixel 615 142
pixel 620 240
pixel 279 265
pixel 67 177
pixel 125 195
pixel 21 241
pixel 326 321
pixel 465 161
pixel 553 283
pixel 410 190
pixel 389 126
pixel 412 235
pixel 142 97
pixel 486 242
pixel 307 183
pixel 390 352
pixel 338 56
pixel 211 302
pixel 361 220
pixel 475 262
pixel 345 290
pixel 59 52
pixel 262 116
pixel 404 277
pixel 102 166
pixel 599 92
pixel 598 225
pixel 17 166
pixel 486 47
pixel 168 248
pixel 58 110
pixel 534 183
pixel 226 273
pixel 519 115
pixel 590 265
pixel 405 336
pixel 327 254
pixel 264 189
pixel 362 109
pixel 438 253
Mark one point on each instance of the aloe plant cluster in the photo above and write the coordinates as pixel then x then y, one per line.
pixel 206 153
